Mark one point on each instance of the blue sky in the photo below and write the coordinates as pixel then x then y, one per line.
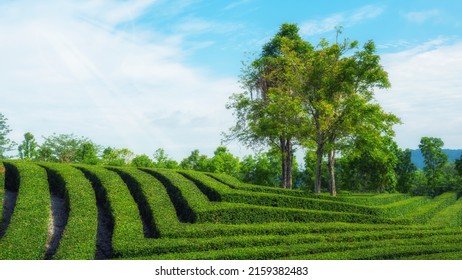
pixel 148 74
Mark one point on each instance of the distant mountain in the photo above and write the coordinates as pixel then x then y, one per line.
pixel 418 160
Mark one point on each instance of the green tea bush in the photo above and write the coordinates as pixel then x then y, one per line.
pixel 27 233
pixel 224 193
pixel 127 224
pixel 79 237
pixel 402 207
pixel 426 212
pixel 236 184
pixel 451 216
pixel 154 199
pixel 187 199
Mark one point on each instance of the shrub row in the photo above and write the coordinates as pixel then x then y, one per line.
pixel 152 197
pixel 396 249
pixel 373 200
pixel 79 237
pixel 301 247
pixel 450 216
pixel 187 199
pixel 426 212
pixel 212 187
pixel 228 213
pixel 27 233
pixel 403 207
pixel 168 246
pixel 236 184
pixel 126 224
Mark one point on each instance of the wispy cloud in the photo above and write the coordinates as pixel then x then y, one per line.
pixel 67 75
pixel 235 4
pixel 345 19
pixel 426 91
pixel 422 16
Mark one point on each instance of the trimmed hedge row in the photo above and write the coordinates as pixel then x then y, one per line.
pixel 185 196
pixel 152 197
pixel 212 187
pixel 234 183
pixel 396 249
pixel 229 213
pixel 374 200
pixel 300 247
pixel 423 214
pixel 451 216
pixel 127 227
pixel 403 207
pixel 176 246
pixel 79 237
pixel 27 233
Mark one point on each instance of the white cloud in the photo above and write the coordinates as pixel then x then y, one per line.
pixel 426 92
pixel 344 19
pixel 422 16
pixel 67 75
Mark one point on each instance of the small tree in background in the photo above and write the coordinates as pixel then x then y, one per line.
pixel 405 171
pixel 435 160
pixel 195 161
pixel 28 150
pixel 142 161
pixel 162 160
pixel 6 144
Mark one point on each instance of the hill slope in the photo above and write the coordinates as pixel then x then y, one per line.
pixel 94 212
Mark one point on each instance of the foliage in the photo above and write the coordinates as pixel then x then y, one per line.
pixel 370 166
pixel 224 162
pixel 28 148
pixel 162 160
pixel 6 144
pixel 195 161
pixel 62 148
pixel 458 166
pixel 117 157
pixel 87 153
pixel 435 160
pixel 270 113
pixel 142 161
pixel 261 169
pixel 405 171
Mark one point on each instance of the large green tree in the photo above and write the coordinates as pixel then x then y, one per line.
pixel 269 113
pixel 336 84
pixel 435 160
pixel 6 144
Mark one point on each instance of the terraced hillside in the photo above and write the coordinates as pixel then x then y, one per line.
pixel 57 211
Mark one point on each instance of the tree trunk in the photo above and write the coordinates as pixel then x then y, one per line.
pixel 289 163
pixel 331 162
pixel 318 170
pixel 287 158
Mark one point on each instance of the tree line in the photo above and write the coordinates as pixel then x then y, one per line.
pixel 383 169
